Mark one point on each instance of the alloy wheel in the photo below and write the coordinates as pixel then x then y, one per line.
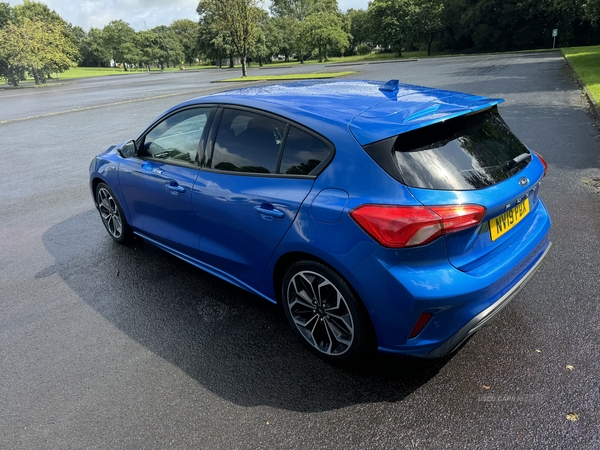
pixel 110 213
pixel 320 313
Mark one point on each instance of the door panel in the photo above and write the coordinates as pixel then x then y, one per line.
pixel 158 183
pixel 243 218
pixel 242 209
pixel 159 199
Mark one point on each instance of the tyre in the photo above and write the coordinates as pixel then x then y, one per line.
pixel 112 215
pixel 326 314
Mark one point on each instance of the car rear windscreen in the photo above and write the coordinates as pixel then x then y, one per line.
pixel 468 152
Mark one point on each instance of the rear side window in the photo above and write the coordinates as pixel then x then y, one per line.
pixel 303 153
pixel 258 144
pixel 247 142
pixel 464 153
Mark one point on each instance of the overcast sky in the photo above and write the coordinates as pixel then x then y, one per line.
pixel 140 14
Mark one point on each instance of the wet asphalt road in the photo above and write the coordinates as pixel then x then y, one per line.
pixel 103 346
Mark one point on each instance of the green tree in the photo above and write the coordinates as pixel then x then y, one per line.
pixel 36 47
pixel 269 41
pixel 76 34
pixel 117 39
pixel 213 43
pixel 303 45
pixel 171 48
pixel 36 11
pixel 186 31
pixel 392 22
pixel 360 27
pixel 51 39
pixel 591 9
pixel 283 35
pixel 259 51
pixel 330 6
pixel 92 51
pixel 5 13
pixel 323 31
pixel 239 19
pixel 291 17
pixel 428 21
pixel 148 43
pixel 293 9
pixel 569 16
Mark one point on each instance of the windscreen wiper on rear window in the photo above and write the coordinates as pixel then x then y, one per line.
pixel 517 159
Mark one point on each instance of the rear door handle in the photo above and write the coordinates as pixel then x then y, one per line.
pixel 268 210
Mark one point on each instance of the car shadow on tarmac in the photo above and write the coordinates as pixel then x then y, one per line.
pixel 233 343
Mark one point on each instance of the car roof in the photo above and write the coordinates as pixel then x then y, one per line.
pixel 372 110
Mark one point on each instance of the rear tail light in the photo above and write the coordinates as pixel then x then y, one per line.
pixel 543 161
pixel 411 226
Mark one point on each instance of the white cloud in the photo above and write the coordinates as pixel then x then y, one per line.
pixel 140 14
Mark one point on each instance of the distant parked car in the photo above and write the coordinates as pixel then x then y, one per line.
pixel 380 215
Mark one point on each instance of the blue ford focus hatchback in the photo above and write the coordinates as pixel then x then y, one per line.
pixel 379 215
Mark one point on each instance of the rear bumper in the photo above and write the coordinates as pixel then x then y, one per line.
pixel 398 286
pixel 486 315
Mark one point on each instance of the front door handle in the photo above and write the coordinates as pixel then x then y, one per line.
pixel 268 210
pixel 173 186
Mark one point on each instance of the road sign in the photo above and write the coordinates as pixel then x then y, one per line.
pixel 555 32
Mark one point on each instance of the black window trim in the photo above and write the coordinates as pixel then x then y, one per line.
pixel 209 148
pixel 201 143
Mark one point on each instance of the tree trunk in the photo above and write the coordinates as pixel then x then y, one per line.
pixel 231 61
pixel 429 44
pixel 244 69
pixel 36 76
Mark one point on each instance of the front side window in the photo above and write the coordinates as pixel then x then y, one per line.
pixel 247 142
pixel 176 139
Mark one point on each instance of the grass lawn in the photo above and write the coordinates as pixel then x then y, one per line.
pixel 86 72
pixel 297 76
pixel 586 62
pixel 371 57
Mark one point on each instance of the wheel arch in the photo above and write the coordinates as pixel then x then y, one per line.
pixel 288 259
pixel 285 262
pixel 94 185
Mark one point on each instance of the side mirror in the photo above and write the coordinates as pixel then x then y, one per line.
pixel 128 149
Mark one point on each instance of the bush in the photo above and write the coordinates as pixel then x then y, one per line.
pixel 363 49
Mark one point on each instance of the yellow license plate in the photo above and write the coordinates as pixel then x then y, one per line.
pixel 508 220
